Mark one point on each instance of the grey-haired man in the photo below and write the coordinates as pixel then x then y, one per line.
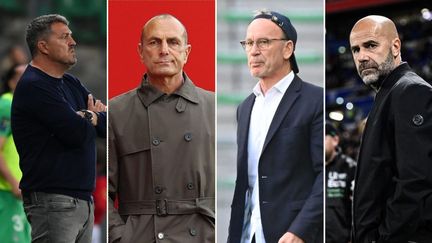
pixel 279 192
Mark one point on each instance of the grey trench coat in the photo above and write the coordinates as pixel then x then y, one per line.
pixel 161 165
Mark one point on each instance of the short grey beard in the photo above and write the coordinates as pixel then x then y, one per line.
pixel 384 69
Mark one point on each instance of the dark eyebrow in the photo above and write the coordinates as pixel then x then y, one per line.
pixel 354 48
pixel 159 39
pixel 65 34
pixel 370 42
pixel 179 40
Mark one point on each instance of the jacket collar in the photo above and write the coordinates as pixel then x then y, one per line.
pixel 149 94
pixel 394 76
pixel 288 100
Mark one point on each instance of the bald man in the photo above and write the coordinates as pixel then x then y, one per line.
pixel 161 147
pixel 393 182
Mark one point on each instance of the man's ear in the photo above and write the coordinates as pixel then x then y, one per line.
pixel 140 52
pixel 396 47
pixel 42 46
pixel 288 49
pixel 187 51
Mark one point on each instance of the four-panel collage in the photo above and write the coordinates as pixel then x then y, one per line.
pixel 216 121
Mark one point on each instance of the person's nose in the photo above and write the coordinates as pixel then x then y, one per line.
pixel 164 49
pixel 72 42
pixel 362 56
pixel 254 51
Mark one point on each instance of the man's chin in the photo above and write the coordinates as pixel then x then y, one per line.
pixel 71 64
pixel 369 79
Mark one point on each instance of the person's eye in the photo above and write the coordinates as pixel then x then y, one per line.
pixel 174 42
pixel 152 43
pixel 249 43
pixel 371 46
pixel 262 42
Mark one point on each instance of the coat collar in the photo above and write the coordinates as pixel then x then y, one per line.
pixel 149 94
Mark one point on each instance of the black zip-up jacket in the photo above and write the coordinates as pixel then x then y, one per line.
pixel 393 182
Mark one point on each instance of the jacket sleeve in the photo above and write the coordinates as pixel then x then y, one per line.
pixel 101 126
pixel 52 110
pixel 308 223
pixel 116 223
pixel 412 119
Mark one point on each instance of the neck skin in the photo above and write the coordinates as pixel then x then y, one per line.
pixel 54 69
pixel 167 85
pixel 333 155
pixel 267 83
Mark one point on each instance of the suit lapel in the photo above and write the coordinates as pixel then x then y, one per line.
pixel 245 111
pixel 289 98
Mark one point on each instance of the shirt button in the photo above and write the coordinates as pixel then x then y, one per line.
pixel 158 189
pixel 193 232
pixel 161 236
pixel 188 136
pixel 155 142
pixel 190 186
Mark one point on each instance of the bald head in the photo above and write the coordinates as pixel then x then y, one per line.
pixel 375 46
pixel 156 19
pixel 379 24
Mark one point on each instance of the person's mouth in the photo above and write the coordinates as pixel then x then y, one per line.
pixel 163 62
pixel 367 68
pixel 256 63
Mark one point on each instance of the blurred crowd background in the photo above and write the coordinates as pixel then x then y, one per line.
pixel 348 100
pixel 88 23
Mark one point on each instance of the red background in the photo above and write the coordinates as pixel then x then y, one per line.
pixel 125 21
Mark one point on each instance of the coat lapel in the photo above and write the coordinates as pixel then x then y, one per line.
pixel 289 98
pixel 244 113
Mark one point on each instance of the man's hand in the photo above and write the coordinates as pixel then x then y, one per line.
pixel 94 116
pixel 97 106
pixel 16 191
pixel 289 237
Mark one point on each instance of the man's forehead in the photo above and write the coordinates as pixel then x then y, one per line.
pixel 60 28
pixel 365 33
pixel 163 28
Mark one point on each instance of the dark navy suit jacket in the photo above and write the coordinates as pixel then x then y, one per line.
pixel 290 170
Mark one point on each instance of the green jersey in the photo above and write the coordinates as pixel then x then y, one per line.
pixel 9 151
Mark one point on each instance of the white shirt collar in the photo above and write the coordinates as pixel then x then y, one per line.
pixel 281 86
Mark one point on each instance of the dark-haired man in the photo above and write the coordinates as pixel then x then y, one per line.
pixel 54 123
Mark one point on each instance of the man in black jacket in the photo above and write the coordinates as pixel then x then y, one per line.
pixel 393 182
pixel 54 124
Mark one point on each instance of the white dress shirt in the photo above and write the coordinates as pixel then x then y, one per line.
pixel 263 111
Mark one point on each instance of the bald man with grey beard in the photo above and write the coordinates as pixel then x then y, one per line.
pixel 393 182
